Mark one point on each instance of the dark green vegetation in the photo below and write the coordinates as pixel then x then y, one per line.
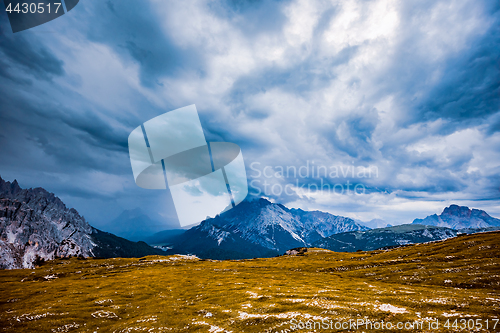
pixel 456 278
pixel 164 237
pixel 110 246
pixel 384 237
pixel 389 237
pixel 190 242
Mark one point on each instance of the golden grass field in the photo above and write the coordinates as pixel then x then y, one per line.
pixel 457 279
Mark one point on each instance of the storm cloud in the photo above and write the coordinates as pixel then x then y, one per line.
pixel 409 88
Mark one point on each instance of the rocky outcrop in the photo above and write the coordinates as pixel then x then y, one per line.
pixel 400 235
pixel 35 225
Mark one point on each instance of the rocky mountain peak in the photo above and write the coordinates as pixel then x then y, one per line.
pixel 459 217
pixel 35 224
pixel 459 211
pixel 8 188
pixel 34 197
pixel 268 226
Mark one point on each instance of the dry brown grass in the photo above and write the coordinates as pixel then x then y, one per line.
pixel 457 278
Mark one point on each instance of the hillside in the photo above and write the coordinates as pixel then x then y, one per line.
pixel 384 237
pixel 443 281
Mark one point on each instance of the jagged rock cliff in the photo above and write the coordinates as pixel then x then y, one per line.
pixel 35 225
pixel 259 228
pixel 34 222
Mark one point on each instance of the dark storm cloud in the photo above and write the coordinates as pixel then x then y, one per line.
pixel 254 16
pixel 470 87
pixel 48 113
pixel 57 138
pixel 493 124
pixel 73 141
pixel 356 143
pixel 65 148
pixel 307 76
pixel 217 131
pixel 97 131
pixel 28 55
pixel 133 30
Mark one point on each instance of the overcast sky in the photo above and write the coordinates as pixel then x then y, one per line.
pixel 407 88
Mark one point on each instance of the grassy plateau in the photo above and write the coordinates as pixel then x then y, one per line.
pixel 442 285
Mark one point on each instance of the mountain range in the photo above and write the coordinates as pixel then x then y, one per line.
pixel 404 234
pixel 35 225
pixel 453 221
pixel 259 228
pixel 460 217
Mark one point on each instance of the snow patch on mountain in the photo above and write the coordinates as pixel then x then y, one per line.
pixel 272 226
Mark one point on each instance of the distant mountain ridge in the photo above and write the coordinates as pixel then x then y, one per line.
pixel 136 225
pixel 375 223
pixel 35 225
pixel 404 234
pixel 460 217
pixel 260 228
